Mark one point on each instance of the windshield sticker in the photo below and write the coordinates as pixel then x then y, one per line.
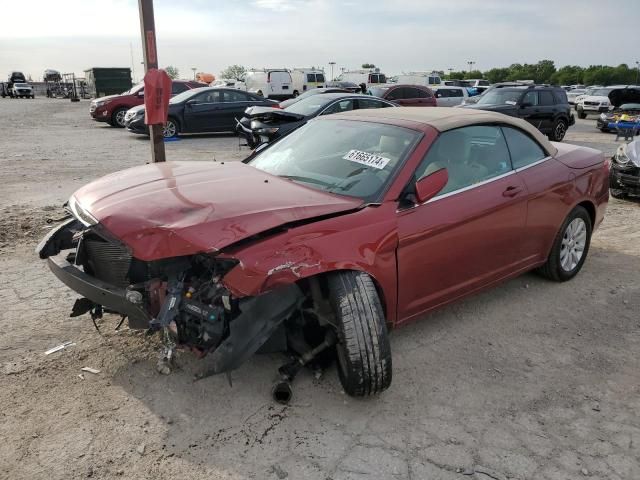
pixel 368 159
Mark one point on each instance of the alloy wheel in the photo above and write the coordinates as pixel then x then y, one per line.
pixel 573 244
pixel 169 130
pixel 561 129
pixel 120 117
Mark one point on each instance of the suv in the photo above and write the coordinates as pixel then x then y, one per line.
pixel 112 108
pixel 545 107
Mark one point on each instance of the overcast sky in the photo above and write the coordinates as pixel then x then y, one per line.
pixel 400 35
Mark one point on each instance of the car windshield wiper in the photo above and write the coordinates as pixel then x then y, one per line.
pixel 297 178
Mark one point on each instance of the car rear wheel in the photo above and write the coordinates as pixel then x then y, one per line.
pixel 170 128
pixel 581 114
pixel 363 350
pixel 559 131
pixel 117 117
pixel 570 247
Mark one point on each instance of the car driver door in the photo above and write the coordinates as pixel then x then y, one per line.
pixel 468 236
pixel 201 113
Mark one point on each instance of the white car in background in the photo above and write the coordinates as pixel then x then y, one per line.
pixel 450 96
pixel 595 101
pixel 573 94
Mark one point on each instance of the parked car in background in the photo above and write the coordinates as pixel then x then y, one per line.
pixel 264 125
pixel 352 87
pixel 306 79
pixel 315 91
pixel 229 83
pixel 425 79
pixel 275 83
pixel 624 178
pixel 113 108
pixel 545 107
pixel 447 96
pixel 22 90
pixel 573 94
pixel 475 98
pixel 595 101
pixel 201 110
pixel 625 104
pixel 353 224
pixel 405 95
pixel 477 82
pixel 369 78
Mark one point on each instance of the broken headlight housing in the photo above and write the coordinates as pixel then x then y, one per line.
pixel 80 213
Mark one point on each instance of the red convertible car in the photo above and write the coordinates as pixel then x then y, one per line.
pixel 318 244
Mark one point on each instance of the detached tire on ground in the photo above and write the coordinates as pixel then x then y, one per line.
pixel 363 350
pixel 570 247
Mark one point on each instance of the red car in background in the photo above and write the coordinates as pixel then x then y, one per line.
pixel 112 108
pixel 405 95
pixel 354 223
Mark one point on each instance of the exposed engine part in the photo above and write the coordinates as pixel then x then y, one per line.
pixel 282 391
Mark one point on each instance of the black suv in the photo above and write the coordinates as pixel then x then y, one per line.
pixel 545 107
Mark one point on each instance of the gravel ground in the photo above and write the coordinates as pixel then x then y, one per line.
pixel 531 380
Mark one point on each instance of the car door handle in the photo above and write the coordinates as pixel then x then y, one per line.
pixel 512 191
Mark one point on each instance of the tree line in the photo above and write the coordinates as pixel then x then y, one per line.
pixel 545 72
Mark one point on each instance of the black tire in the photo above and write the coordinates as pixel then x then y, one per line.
pixel 559 130
pixel 117 117
pixel 364 353
pixel 553 269
pixel 581 114
pixel 604 130
pixel 295 93
pixel 168 131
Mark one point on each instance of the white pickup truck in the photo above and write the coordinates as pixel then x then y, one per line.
pixel 22 90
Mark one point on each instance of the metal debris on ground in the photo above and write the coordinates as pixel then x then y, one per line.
pixel 62 346
pixel 90 370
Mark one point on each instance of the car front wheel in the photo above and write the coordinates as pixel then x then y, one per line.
pixel 363 350
pixel 570 247
pixel 117 117
pixel 581 114
pixel 170 128
pixel 559 131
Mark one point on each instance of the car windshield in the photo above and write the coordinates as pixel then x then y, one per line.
pixel 601 92
pixel 21 84
pixel 500 97
pixel 135 89
pixel 630 106
pixel 357 159
pixel 310 105
pixel 181 97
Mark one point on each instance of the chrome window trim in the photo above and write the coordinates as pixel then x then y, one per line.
pixel 469 187
pixel 520 169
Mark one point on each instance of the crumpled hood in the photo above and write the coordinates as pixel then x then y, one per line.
pixel 172 209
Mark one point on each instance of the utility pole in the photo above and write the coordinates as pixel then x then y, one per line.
pixel 148 31
pixel 332 64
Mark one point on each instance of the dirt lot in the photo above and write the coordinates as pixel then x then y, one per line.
pixel 532 380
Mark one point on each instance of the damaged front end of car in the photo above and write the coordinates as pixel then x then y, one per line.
pixel 184 298
pixel 624 176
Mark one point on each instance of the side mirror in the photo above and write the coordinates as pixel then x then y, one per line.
pixel 429 186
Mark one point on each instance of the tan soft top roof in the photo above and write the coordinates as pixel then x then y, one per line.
pixel 448 118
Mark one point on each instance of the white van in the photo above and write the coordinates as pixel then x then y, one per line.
pixel 306 79
pixel 370 78
pixel 270 83
pixel 420 78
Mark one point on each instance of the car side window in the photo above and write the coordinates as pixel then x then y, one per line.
pixel 371 103
pixel 234 97
pixel 523 149
pixel 397 94
pixel 343 106
pixel 442 93
pixel 456 92
pixel 177 88
pixel 421 93
pixel 208 97
pixel 531 98
pixel 546 98
pixel 470 155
